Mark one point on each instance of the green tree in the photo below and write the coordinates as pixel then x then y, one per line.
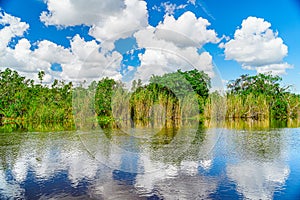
pixel 103 96
pixel 267 84
pixel 182 83
pixel 14 96
pixel 21 100
pixel 262 85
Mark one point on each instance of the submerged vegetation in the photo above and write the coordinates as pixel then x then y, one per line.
pixel 171 99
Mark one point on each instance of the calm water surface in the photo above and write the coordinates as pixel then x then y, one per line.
pixel 142 163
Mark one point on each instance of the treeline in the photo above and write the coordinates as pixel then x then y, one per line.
pixel 261 97
pixel 22 101
pixel 176 97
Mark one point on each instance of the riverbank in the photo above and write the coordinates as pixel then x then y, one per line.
pixel 173 97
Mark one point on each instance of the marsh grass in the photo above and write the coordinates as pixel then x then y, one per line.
pixel 169 100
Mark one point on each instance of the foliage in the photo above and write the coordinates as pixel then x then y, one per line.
pixel 163 98
pixel 172 96
pixel 143 101
pixel 260 97
pixel 199 81
pixel 22 100
pixel 183 82
pixel 266 84
pixel 13 93
pixel 103 96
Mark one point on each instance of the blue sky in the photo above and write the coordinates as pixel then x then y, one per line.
pixel 61 38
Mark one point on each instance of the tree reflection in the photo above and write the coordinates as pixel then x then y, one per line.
pixel 9 148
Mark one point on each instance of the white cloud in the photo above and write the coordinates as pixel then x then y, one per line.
pixel 132 18
pixel 84 60
pixel 109 20
pixel 276 69
pixel 186 29
pixel 21 58
pixel 161 61
pixel 169 7
pixel 29 62
pixel 173 45
pixel 13 27
pixel 258 181
pixel 257 46
pixel 51 52
pixel 8 189
pixel 82 48
pixel 89 62
pixel 77 12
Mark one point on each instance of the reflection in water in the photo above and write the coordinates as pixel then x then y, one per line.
pixel 92 163
pixel 9 189
pixel 251 124
pixel 261 168
pixel 258 181
pixel 181 163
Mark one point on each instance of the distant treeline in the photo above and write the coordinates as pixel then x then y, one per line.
pixel 174 96
pixel 261 97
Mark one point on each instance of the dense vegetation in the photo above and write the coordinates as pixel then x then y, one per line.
pixel 23 101
pixel 261 97
pixel 176 96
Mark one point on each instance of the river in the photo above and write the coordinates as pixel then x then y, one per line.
pixel 147 163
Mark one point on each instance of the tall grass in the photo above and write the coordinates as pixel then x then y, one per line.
pixel 262 107
pixel 250 106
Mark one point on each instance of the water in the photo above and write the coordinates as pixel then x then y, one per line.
pixel 142 163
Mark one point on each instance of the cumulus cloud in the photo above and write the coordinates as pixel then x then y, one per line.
pixel 29 62
pixel 131 19
pixel 13 27
pixel 256 46
pixel 51 52
pixel 276 69
pixel 79 12
pixel 181 36
pixel 83 48
pixel 160 61
pixel 91 62
pixel 20 57
pixel 174 44
pixel 185 29
pixel 109 20
pixel 84 60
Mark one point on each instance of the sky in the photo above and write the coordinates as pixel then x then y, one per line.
pixel 78 40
